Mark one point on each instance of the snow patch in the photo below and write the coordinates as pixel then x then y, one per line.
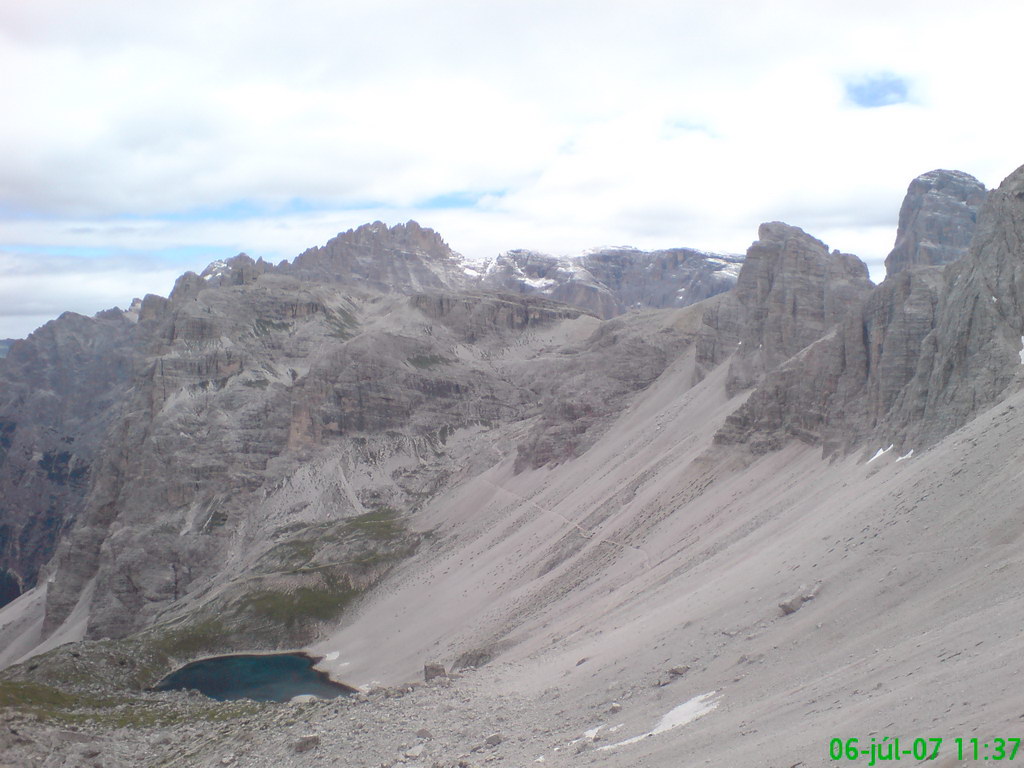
pixel 725 267
pixel 540 283
pixel 685 713
pixel 880 452
pixel 906 455
pixel 1022 350
pixel 215 269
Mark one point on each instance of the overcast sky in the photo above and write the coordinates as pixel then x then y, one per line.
pixel 143 139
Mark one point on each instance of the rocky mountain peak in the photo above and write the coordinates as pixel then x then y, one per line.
pixel 974 352
pixel 404 258
pixel 790 291
pixel 238 270
pixel 937 220
pixel 408 237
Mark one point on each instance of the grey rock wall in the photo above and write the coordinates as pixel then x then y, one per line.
pixel 937 220
pixel 790 292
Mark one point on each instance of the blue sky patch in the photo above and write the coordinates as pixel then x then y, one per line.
pixel 881 90
pixel 456 200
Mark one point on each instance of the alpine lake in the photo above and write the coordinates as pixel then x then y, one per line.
pixel 260 677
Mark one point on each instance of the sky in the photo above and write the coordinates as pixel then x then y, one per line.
pixel 141 140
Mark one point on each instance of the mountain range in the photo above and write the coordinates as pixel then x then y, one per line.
pixel 661 503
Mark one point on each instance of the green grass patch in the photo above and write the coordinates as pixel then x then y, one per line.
pixel 190 640
pixel 21 694
pixel 380 524
pixel 303 604
pixel 114 711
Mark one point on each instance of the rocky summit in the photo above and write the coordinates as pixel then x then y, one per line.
pixel 628 508
pixel 937 220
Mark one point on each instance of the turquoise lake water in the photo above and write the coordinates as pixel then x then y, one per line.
pixel 269 677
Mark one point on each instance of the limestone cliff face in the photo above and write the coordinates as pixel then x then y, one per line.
pixel 268 415
pixel 611 281
pixel 937 220
pixel 840 389
pixel 921 355
pixel 60 390
pixel 974 354
pixel 790 292
pixel 558 279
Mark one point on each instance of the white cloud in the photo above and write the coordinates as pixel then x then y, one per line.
pixel 657 124
pixel 36 288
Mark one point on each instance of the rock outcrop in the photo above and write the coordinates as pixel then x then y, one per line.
pixel 927 350
pixel 974 354
pixel 937 220
pixel 790 292
pixel 840 389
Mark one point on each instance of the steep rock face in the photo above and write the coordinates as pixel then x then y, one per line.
pixel 974 353
pixel 790 291
pixel 671 278
pixel 610 281
pixel 925 352
pixel 937 220
pixel 267 417
pixel 59 391
pixel 404 258
pixel 559 279
pixel 474 316
pixel 840 389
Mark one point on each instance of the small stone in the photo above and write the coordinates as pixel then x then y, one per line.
pixel 679 671
pixel 306 743
pixel 423 733
pixel 493 740
pixel 792 605
pixel 615 708
pixel 432 670
pixel 414 752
